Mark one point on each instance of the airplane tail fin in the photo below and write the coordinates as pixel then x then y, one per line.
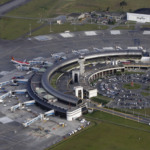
pixel 12 58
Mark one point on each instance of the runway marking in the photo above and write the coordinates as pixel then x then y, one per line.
pixel 5 120
pixel 67 35
pixel 43 37
pixel 146 33
pixel 90 33
pixel 115 32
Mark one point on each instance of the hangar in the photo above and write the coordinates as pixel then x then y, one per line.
pixel 140 15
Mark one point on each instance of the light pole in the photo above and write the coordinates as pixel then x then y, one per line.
pixel 30 29
pixel 50 27
pixel 99 27
pixel 74 24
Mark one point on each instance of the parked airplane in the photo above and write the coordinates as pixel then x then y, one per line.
pixel 19 62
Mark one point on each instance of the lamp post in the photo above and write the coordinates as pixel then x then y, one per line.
pixel 50 27
pixel 30 30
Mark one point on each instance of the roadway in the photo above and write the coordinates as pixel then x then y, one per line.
pixel 11 5
pixel 120 114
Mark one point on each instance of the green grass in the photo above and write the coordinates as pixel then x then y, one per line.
pixel 56 28
pixel 131 27
pixel 146 26
pixel 145 94
pixel 130 22
pixel 143 111
pixel 135 86
pixel 52 8
pixel 54 79
pixel 14 28
pixel 101 99
pixel 70 67
pixel 11 29
pixel 133 72
pixel 117 120
pixel 108 136
pixel 147 88
pixel 4 1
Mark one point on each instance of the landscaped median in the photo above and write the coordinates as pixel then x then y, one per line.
pixel 54 79
pixel 124 27
pixel 131 86
pixel 101 99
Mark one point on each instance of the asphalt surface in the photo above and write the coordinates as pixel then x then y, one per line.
pixel 11 5
pixel 123 115
pixel 28 49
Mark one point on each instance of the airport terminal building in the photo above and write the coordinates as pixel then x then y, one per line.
pixel 140 15
pixel 71 106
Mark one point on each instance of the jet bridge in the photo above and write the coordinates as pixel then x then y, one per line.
pixel 19 105
pixel 39 117
pixel 5 95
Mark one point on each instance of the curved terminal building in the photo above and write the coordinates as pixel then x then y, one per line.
pixel 56 87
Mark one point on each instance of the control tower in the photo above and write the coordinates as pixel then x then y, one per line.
pixel 81 63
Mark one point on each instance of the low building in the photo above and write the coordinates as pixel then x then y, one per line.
pixel 140 15
pixel 59 22
pixel 73 17
pixel 91 93
pixel 74 114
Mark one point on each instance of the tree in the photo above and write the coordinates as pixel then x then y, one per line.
pixel 123 3
pixel 107 8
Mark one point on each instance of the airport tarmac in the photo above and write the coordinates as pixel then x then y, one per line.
pixel 41 134
pixel 28 49
pixel 12 134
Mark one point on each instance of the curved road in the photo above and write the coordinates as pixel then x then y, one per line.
pixel 11 5
pixel 120 114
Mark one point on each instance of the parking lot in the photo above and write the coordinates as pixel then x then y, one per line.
pixel 114 87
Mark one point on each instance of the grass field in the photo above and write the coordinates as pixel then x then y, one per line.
pixel 50 8
pixel 145 111
pixel 117 120
pixel 133 72
pixel 135 86
pixel 101 99
pixel 56 28
pixel 54 79
pixel 131 27
pixel 146 26
pixel 109 136
pixel 147 88
pixel 145 93
pixel 4 1
pixel 13 28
